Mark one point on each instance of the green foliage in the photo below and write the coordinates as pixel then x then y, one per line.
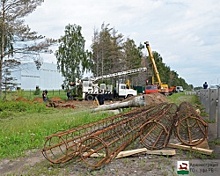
pixel 11 108
pixel 37 91
pixel 8 81
pixel 72 59
pixel 132 54
pixel 111 53
pixel 12 28
pixel 167 75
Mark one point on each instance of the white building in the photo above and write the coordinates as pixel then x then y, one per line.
pixel 47 77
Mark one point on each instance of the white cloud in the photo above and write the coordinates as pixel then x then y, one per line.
pixel 185 33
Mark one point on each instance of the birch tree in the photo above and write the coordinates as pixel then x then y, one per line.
pixel 72 58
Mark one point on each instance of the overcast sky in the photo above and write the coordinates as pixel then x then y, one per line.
pixel 186 33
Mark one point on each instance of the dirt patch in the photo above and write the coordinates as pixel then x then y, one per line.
pixel 21 99
pixel 38 100
pixel 74 104
pixel 137 165
pixel 56 102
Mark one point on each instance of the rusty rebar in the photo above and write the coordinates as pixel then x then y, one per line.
pixel 98 143
pixel 107 142
pixel 155 133
pixel 190 128
pixel 64 145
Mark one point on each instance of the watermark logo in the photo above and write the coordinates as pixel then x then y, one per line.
pixel 182 167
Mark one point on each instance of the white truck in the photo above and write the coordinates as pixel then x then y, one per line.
pixel 91 89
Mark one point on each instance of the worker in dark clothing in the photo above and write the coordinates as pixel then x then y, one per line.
pixel 205 85
pixel 68 94
pixel 101 99
pixel 44 96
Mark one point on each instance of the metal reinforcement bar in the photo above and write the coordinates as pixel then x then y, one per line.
pixel 156 132
pixel 63 146
pixel 190 128
pixel 104 145
pixel 98 143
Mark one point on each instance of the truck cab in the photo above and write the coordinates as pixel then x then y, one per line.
pixel 123 91
pixel 151 89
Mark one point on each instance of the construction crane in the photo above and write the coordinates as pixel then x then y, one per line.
pixel 127 72
pixel 162 88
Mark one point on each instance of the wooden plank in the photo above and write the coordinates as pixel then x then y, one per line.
pixel 130 152
pixel 204 144
pixel 165 152
pixel 185 147
pixel 123 154
pixel 151 152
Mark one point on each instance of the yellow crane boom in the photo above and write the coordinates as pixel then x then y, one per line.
pixel 163 88
pixel 153 62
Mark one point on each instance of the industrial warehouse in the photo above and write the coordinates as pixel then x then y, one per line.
pixel 28 77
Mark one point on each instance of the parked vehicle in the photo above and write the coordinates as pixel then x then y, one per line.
pixel 172 90
pixel 91 89
pixel 179 89
pixel 151 89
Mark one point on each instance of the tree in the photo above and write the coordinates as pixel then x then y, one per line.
pixel 132 54
pixel 8 81
pixel 115 57
pixel 104 51
pixel 167 75
pixel 17 39
pixel 72 59
pixel 111 54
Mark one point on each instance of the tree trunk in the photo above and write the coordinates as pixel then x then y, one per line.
pixel 134 102
pixel 2 45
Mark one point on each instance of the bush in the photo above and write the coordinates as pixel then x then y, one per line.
pixel 8 108
pixel 37 91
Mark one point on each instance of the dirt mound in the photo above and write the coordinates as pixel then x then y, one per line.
pixel 53 99
pixel 155 98
pixel 56 99
pixel 38 99
pixel 21 99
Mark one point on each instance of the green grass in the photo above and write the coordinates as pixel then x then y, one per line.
pixel 10 109
pixel 27 130
pixel 24 124
pixel 215 142
pixel 177 98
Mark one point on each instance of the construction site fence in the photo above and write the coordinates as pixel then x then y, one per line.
pixel 209 99
pixel 31 93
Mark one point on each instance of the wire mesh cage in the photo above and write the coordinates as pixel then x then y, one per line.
pixel 190 128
